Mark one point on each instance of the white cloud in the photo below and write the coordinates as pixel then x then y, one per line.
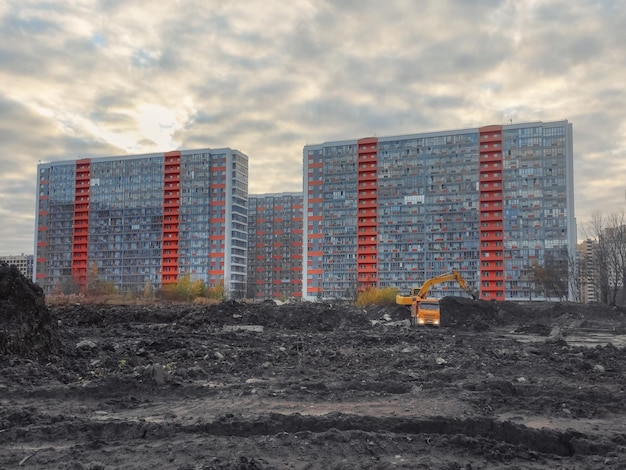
pixel 104 77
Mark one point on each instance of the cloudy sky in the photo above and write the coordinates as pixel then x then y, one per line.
pixel 113 77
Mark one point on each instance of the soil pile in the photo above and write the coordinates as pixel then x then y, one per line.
pixel 26 326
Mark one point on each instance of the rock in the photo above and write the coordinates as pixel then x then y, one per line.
pixel 86 344
pixel 598 368
pixel 255 381
pixel 555 332
pixel 532 350
pixel 218 355
pixel 254 328
pixel 157 373
pixel 440 361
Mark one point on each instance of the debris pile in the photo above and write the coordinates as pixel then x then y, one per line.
pixel 27 328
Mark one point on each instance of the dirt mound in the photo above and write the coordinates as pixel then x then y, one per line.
pixel 26 326
pixel 537 317
pixel 292 316
pixel 475 315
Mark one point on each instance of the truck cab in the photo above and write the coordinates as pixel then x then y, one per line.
pixel 427 312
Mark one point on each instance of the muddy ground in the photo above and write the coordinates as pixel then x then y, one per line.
pixel 313 386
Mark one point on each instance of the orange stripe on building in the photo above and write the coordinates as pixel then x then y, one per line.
pixel 80 231
pixel 491 217
pixel 367 225
pixel 171 228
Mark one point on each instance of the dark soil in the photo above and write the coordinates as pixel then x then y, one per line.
pixel 313 386
pixel 26 326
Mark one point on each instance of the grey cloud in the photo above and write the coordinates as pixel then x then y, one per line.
pixel 563 54
pixel 146 143
pixel 18 161
pixel 268 78
pixel 112 119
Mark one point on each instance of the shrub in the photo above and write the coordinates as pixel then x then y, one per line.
pixel 373 296
pixel 186 290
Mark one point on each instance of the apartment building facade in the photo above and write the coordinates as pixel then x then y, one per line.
pixel 588 272
pixel 275 246
pixel 394 211
pixel 143 220
pixel 24 263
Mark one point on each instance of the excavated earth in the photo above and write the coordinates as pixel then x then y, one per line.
pixel 310 386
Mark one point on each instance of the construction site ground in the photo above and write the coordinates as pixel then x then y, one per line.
pixel 313 386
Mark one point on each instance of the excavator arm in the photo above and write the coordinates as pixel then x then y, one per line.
pixel 425 311
pixel 422 292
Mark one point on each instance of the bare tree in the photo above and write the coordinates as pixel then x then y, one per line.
pixel 536 280
pixel 617 229
pixel 557 263
pixel 553 277
pixel 595 229
pixel 527 282
pixel 609 255
pixel 576 269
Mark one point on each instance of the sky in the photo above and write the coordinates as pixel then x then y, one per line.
pixel 89 78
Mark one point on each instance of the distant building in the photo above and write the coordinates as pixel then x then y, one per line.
pixel 490 202
pixel 143 220
pixel 275 246
pixel 588 272
pixel 602 268
pixel 24 263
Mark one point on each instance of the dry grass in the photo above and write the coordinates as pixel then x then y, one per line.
pixel 384 296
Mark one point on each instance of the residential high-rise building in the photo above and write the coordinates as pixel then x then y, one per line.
pixel 491 202
pixel 143 220
pixel 588 272
pixel 24 263
pixel 275 246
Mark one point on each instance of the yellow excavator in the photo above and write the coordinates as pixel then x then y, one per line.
pixel 424 310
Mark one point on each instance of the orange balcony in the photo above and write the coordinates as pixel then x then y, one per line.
pixel 368 184
pixel 486 177
pixel 491 256
pixel 495 195
pixel 368 203
pixel 367 176
pixel 491 216
pixel 172 169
